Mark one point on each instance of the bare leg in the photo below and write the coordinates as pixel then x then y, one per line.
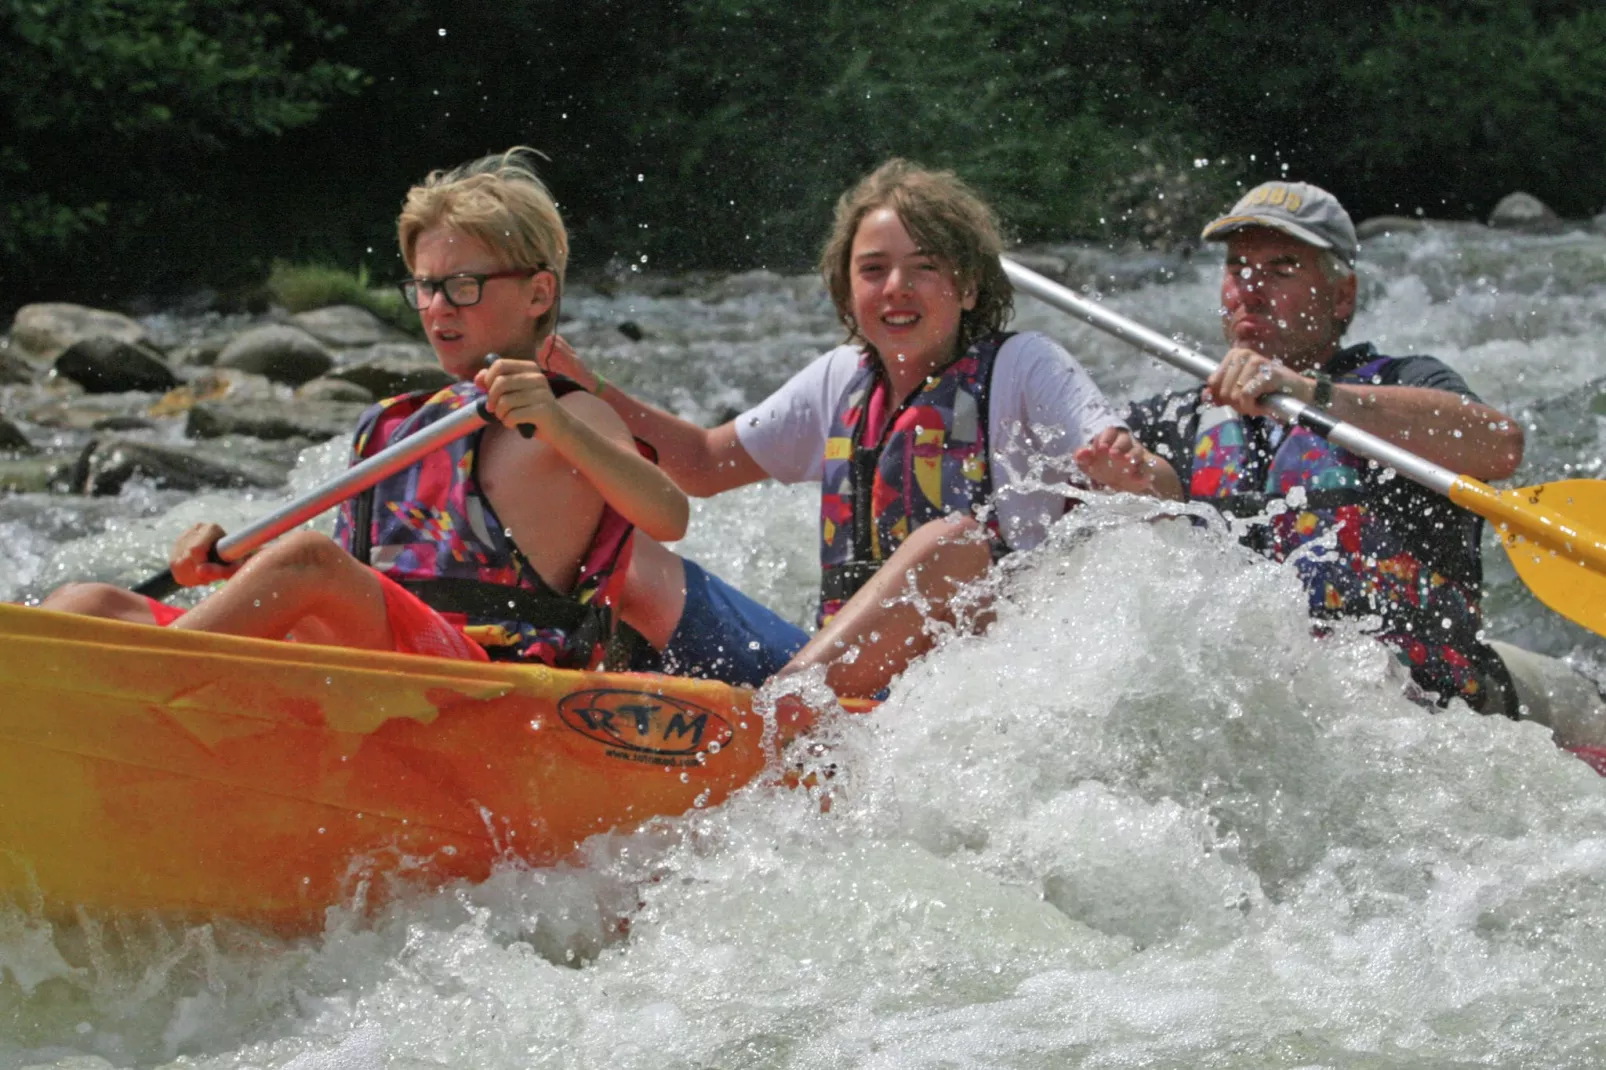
pixel 100 600
pixel 939 558
pixel 304 586
pixel 655 593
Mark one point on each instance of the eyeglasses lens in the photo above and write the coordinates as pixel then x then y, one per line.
pixel 462 290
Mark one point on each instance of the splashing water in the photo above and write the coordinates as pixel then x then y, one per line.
pixel 1146 820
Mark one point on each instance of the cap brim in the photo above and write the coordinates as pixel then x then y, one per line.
pixel 1230 224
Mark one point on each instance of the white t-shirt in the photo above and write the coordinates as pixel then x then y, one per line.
pixel 1042 408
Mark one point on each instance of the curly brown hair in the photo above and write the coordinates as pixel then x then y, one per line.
pixel 500 201
pixel 946 219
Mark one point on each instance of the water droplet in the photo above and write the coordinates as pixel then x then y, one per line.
pixel 442 31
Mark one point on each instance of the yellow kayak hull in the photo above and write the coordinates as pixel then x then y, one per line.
pixel 146 769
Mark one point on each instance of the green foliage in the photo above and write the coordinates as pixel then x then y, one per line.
pixel 766 110
pixel 300 287
pixel 181 142
pixel 102 101
pixel 1468 101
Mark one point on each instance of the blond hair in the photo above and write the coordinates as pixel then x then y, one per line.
pixel 947 220
pixel 499 201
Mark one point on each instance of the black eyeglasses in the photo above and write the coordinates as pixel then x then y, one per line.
pixel 460 290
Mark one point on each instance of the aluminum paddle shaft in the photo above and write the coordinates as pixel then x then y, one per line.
pixel 354 480
pixel 1174 353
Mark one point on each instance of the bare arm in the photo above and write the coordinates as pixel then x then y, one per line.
pixel 592 438
pixel 704 461
pixel 1466 436
pixel 1451 430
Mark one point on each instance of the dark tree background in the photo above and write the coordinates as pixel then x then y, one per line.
pixel 148 147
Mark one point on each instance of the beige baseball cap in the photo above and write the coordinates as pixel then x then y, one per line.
pixel 1299 210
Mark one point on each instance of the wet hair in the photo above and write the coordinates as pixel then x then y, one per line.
pixel 946 219
pixel 499 201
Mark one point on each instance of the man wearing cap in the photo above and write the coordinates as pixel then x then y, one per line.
pixel 1366 544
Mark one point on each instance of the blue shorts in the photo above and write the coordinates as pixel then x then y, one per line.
pixel 723 635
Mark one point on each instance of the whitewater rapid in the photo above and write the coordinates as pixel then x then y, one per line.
pixel 1147 820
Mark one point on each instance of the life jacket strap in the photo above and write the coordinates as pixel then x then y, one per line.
pixel 585 627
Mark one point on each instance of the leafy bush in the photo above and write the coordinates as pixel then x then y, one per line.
pixel 301 287
pixel 104 102
pixel 227 135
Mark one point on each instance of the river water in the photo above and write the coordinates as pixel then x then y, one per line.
pixel 1145 821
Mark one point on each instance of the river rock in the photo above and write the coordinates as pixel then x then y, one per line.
pixel 216 384
pixel 1380 226
pixel 14 369
pixel 388 370
pixel 41 332
pixel 314 420
pixel 346 325
pixel 107 365
pixel 12 438
pixel 1523 211
pixel 279 351
pixel 120 422
pixel 106 464
pixel 201 352
pixel 85 413
pixel 331 389
pixel 34 474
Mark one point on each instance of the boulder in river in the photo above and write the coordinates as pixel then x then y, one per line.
pixel 1523 211
pixel 41 332
pixel 33 474
pixel 106 464
pixel 346 326
pixel 275 420
pixel 201 352
pixel 104 364
pixel 1380 226
pixel 14 369
pixel 388 370
pixel 13 440
pixel 283 353
pixel 331 389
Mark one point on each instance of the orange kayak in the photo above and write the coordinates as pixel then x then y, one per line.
pixel 148 769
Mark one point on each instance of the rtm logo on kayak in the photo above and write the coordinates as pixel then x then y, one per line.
pixel 643 723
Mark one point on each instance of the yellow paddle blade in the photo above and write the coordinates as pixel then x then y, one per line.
pixel 1555 535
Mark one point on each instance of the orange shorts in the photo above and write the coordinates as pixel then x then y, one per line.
pixel 415 628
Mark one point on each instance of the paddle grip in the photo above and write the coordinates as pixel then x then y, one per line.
pixel 527 430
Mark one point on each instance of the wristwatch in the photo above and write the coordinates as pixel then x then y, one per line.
pixel 1322 396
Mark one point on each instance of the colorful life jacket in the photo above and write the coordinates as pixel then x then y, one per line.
pixel 932 461
pixel 431 528
pixel 1365 542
